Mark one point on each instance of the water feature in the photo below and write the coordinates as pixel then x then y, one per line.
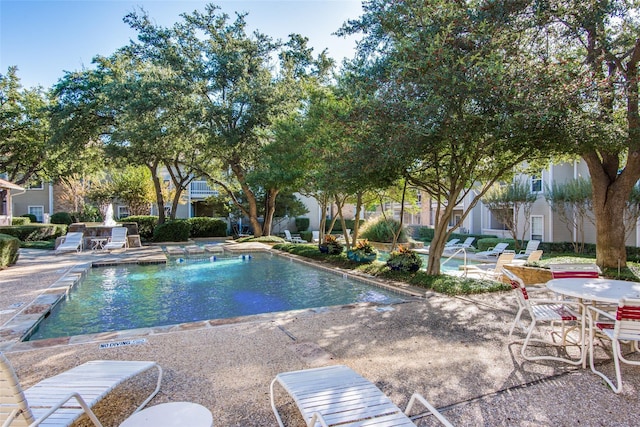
pixel 108 217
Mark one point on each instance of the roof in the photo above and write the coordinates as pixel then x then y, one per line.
pixel 9 185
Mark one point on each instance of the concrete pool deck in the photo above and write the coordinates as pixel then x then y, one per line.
pixel 452 350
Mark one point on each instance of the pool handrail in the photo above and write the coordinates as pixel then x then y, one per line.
pixel 457 251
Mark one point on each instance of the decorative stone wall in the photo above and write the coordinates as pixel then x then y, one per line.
pixel 530 275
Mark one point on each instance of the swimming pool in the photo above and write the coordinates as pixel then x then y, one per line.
pixel 136 296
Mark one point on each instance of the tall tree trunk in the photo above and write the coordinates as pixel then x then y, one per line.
pixel 270 209
pixel 157 185
pixel 610 194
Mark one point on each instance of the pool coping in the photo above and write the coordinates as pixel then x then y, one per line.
pixel 19 327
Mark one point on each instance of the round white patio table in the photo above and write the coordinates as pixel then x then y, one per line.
pixel 596 289
pixel 172 414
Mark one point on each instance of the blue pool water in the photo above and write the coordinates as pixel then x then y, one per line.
pixel 135 296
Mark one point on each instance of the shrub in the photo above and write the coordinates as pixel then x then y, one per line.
pixel 404 260
pixel 426 233
pixel 172 231
pixel 306 235
pixel 35 232
pixel 146 225
pixel 350 223
pixel 302 224
pixel 31 217
pixel 207 227
pixel 20 220
pixel 382 230
pixel 331 246
pixel 61 218
pixel 9 246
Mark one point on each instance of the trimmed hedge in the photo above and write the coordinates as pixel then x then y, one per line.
pixel 35 232
pixel 31 217
pixel 61 218
pixel 350 223
pixel 207 227
pixel 146 225
pixel 20 220
pixel 9 246
pixel 172 231
pixel 302 224
pixel 489 242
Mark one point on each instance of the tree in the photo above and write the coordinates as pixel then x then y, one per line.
pixel 453 98
pixel 572 202
pixel 507 202
pixel 230 75
pixel 597 42
pixel 134 186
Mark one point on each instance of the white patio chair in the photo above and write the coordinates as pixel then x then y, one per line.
pixel 293 239
pixel 494 251
pixel 118 239
pixel 532 245
pixel 624 325
pixel 534 256
pixel 492 271
pixel 73 242
pixel 574 270
pixel 61 399
pixel 337 395
pixel 541 310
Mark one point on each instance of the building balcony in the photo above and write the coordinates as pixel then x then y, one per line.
pixel 201 190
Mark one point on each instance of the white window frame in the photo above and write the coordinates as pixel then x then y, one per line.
pixel 533 236
pixel 40 217
pixel 123 210
pixel 537 181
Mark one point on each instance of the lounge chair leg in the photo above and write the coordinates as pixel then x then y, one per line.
pixel 418 397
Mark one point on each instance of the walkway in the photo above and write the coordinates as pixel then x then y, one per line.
pixel 452 350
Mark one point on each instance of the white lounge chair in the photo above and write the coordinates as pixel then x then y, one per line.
pixel 293 239
pixel 118 239
pixel 61 399
pixel 73 242
pixel 494 251
pixel 465 245
pixel 337 395
pixel 532 245
pixel 449 245
pixel 491 271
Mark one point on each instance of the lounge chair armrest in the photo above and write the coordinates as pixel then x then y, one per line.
pixel 317 417
pixel 61 404
pixel 418 397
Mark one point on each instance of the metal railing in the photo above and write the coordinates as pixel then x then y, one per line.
pixel 464 251
pixel 201 189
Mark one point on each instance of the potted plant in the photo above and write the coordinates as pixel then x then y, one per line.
pixel 363 252
pixel 330 245
pixel 404 259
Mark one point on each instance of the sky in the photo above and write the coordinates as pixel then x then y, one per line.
pixel 46 38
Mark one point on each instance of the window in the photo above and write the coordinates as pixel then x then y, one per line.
pixel 38 211
pixel 123 211
pixel 35 185
pixel 537 227
pixel 536 183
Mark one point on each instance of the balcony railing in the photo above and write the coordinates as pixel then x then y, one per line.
pixel 200 189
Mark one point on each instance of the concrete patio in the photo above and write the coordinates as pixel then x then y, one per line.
pixel 454 351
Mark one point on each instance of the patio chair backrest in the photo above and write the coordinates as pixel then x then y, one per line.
pixel 452 242
pixel 531 246
pixel 535 256
pixel 627 325
pixel 468 241
pixel 520 290
pixel 577 270
pixel 118 234
pixel 12 397
pixel 500 247
pixel 73 237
